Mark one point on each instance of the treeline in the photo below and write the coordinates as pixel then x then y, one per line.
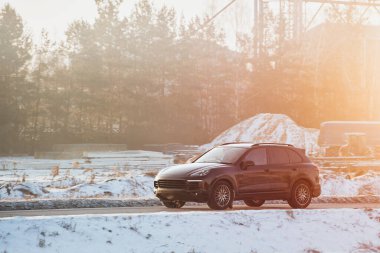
pixel 150 77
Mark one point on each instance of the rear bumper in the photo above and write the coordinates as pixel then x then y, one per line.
pixel 196 192
pixel 316 190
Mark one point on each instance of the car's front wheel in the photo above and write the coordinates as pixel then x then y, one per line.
pixel 301 195
pixel 221 196
pixel 254 202
pixel 173 203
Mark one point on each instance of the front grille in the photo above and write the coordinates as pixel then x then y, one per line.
pixel 172 184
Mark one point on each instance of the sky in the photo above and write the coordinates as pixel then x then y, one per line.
pixel 55 15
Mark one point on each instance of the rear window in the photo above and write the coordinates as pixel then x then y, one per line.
pixel 278 156
pixel 294 157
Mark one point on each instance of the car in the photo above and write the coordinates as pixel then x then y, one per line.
pixel 250 172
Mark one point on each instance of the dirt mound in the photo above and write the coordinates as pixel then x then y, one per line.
pixel 266 127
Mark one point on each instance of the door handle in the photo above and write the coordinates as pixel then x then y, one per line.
pixel 266 170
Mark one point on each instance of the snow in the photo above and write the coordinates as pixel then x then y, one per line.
pixel 112 174
pixel 348 185
pixel 330 230
pixel 266 127
pixel 129 176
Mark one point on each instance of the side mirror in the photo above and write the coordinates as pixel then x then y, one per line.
pixel 245 164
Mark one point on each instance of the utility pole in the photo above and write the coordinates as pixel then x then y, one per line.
pixel 259 26
pixel 294 12
pixel 298 19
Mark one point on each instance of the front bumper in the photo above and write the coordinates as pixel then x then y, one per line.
pixel 316 190
pixel 192 190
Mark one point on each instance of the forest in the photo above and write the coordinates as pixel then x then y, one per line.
pixel 154 77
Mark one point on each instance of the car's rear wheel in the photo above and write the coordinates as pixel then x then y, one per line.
pixel 221 196
pixel 301 195
pixel 173 203
pixel 254 202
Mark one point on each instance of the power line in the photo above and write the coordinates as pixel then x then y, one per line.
pixel 215 16
pixel 372 3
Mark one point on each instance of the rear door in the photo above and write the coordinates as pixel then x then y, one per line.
pixel 280 168
pixel 296 162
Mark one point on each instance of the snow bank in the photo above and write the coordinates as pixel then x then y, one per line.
pixel 126 174
pixel 134 184
pixel 343 184
pixel 268 127
pixel 343 230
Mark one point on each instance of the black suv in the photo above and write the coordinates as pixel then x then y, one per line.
pixel 241 171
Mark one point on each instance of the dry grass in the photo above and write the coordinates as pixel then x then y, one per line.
pixel 368 247
pixel 88 170
pixel 117 173
pixel 27 194
pixel 361 172
pixel 151 173
pixel 76 165
pixel 290 213
pixel 356 173
pixel 92 179
pixel 366 190
pixel 54 171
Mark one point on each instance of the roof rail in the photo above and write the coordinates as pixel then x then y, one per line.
pixel 236 142
pixel 273 143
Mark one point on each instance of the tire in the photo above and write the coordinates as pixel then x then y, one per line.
pixel 173 203
pixel 254 202
pixel 301 195
pixel 221 196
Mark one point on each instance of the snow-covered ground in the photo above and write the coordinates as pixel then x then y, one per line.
pixel 266 127
pixel 364 183
pixel 331 230
pixel 128 175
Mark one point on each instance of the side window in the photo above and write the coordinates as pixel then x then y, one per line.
pixel 278 156
pixel 258 156
pixel 294 157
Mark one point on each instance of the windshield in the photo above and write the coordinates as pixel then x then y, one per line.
pixel 227 155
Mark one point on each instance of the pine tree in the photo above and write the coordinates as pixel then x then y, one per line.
pixel 15 45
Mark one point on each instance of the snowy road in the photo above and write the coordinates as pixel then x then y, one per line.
pixel 157 209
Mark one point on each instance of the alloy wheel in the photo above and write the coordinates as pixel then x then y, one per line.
pixel 222 195
pixel 302 194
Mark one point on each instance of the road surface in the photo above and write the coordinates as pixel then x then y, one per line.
pixel 156 209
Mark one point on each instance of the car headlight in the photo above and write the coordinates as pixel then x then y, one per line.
pixel 200 173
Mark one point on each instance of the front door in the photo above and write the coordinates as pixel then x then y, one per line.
pixel 254 178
